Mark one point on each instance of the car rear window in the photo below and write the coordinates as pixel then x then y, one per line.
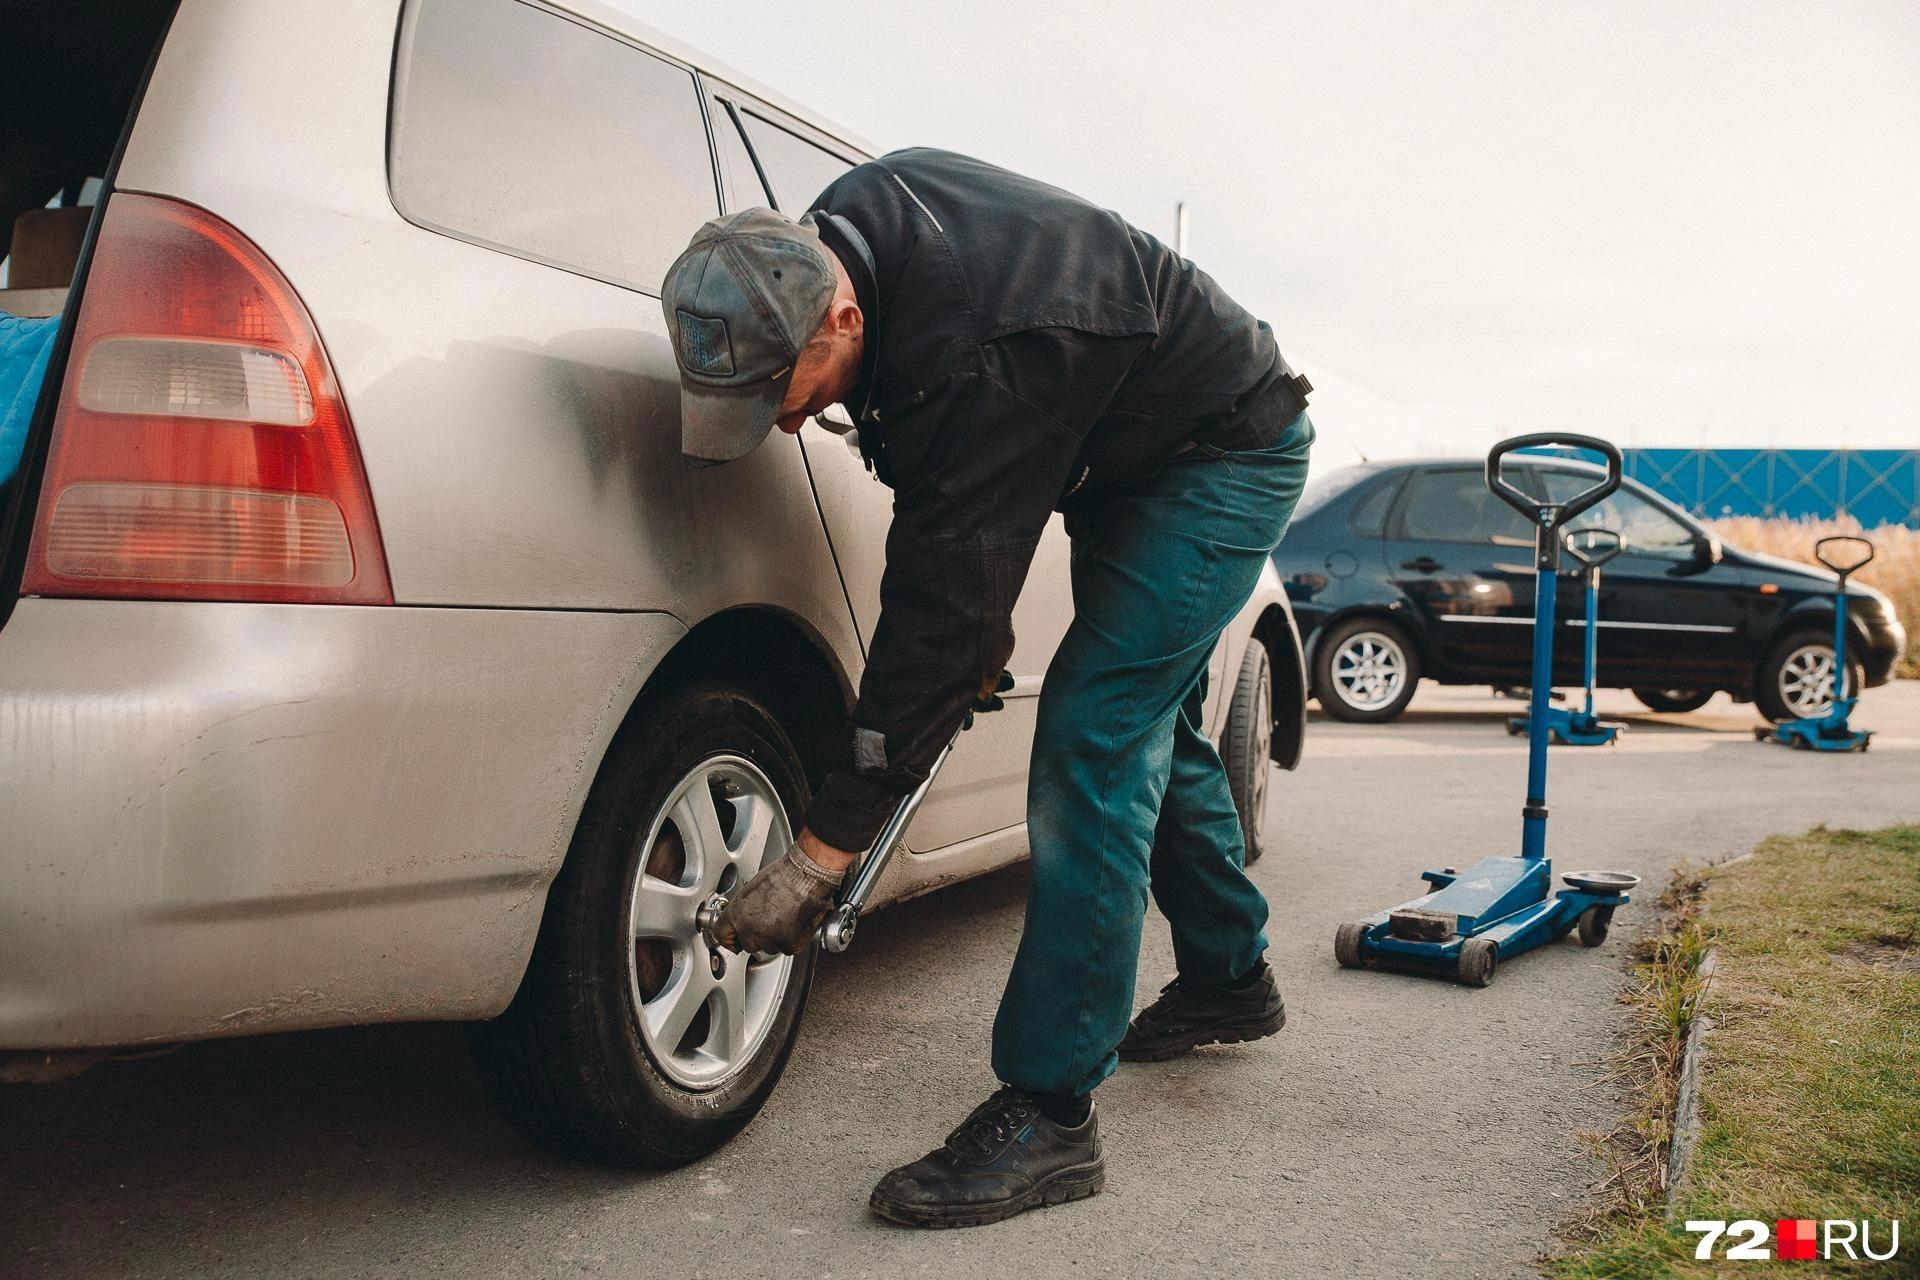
pixel 799 170
pixel 1457 506
pixel 520 129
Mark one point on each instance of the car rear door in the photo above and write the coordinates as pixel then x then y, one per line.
pixel 767 157
pixel 1666 617
pixel 1462 561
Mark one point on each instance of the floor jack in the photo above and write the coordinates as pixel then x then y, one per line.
pixel 1593 547
pixel 1830 732
pixel 836 935
pixel 1500 907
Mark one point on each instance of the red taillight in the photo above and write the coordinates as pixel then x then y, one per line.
pixel 201 450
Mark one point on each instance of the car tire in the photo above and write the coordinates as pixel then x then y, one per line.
pixel 1365 671
pixel 1246 748
pixel 1674 700
pixel 616 1048
pixel 1779 683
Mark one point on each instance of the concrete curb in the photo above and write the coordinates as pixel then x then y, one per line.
pixel 1686 1109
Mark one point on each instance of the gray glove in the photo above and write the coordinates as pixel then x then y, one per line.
pixel 780 908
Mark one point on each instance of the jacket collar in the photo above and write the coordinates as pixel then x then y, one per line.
pixel 852 249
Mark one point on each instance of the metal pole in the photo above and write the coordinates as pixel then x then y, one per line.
pixel 1180 228
pixel 1533 825
pixel 1593 631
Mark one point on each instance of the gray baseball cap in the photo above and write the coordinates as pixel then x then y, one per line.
pixel 741 302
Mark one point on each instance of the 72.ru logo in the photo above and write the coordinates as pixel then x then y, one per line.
pixel 1800 1239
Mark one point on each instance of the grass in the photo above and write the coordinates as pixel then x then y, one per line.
pixel 1895 568
pixel 1810 1086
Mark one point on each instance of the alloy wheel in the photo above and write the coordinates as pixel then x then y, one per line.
pixel 1806 680
pixel 704 1013
pixel 1369 670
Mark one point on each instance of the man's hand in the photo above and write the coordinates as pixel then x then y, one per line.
pixel 782 906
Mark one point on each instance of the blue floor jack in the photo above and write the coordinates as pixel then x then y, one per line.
pixel 1830 732
pixel 1499 907
pixel 1592 547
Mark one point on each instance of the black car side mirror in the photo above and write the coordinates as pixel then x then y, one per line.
pixel 1707 549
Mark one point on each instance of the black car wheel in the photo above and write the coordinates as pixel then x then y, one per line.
pixel 629 1041
pixel 1674 700
pixel 1795 679
pixel 1365 670
pixel 1247 746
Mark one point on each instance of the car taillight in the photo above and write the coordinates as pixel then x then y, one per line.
pixel 201 449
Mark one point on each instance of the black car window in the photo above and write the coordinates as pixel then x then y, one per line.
pixel 1324 486
pixel 1647 529
pixel 1369 515
pixel 1454 505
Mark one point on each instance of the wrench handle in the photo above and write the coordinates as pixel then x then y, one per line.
pixel 837 933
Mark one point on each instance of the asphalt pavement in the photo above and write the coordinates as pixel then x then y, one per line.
pixel 1398 1127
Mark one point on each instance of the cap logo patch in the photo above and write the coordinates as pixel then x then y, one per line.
pixel 704 345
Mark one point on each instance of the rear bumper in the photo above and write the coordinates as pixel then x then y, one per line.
pixel 227 818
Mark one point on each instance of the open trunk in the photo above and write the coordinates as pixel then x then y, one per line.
pixel 65 103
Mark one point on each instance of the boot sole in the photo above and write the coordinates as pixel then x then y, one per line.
pixel 1075 1183
pixel 1219 1033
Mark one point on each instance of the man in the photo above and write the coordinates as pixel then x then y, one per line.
pixel 1007 349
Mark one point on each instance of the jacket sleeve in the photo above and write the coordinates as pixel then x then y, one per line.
pixel 976 470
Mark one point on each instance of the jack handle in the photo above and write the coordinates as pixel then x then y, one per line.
pixel 1593 546
pixel 1820 554
pixel 1549 517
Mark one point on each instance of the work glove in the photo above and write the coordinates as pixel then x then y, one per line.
pixel 780 908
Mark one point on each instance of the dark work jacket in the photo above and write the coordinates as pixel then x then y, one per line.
pixel 1026 351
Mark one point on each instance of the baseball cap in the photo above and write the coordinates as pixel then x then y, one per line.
pixel 741 302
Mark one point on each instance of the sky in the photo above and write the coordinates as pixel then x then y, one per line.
pixel 1666 224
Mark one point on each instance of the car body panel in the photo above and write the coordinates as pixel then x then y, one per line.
pixel 230 818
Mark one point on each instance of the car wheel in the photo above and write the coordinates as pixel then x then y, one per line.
pixel 1674 700
pixel 1795 679
pixel 1247 746
pixel 629 1041
pixel 1365 671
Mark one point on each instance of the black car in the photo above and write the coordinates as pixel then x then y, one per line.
pixel 1407 569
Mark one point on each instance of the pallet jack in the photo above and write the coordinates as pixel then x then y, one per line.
pixel 1830 732
pixel 1593 547
pixel 1497 908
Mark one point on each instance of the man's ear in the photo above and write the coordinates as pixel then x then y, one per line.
pixel 845 317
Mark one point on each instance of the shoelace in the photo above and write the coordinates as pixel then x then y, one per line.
pixel 997 1121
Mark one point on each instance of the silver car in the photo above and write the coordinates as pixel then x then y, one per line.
pixel 368 653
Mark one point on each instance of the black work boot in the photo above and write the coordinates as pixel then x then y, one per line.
pixel 1186 1016
pixel 1004 1159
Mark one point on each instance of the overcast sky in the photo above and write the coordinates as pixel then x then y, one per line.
pixel 1667 223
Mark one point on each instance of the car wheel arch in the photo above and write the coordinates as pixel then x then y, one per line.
pixel 1402 619
pixel 1287 660
pixel 779 659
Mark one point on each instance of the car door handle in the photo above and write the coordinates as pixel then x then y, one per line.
pixel 1422 564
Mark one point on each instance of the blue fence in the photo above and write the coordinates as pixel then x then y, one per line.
pixel 1874 486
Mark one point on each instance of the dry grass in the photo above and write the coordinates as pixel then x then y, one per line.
pixel 1664 993
pixel 1810 1085
pixel 1895 568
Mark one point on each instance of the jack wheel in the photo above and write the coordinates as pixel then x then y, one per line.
pixel 1478 958
pixel 1346 944
pixel 1593 925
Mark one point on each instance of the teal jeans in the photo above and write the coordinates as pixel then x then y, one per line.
pixel 1126 794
